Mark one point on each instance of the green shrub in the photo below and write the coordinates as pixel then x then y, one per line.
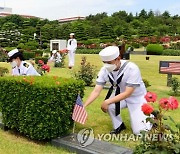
pixel 28 55
pixel 21 46
pixel 39 107
pixel 3 55
pixel 135 45
pixel 88 51
pixel 86 73
pixel 154 49
pixel 38 53
pixel 9 48
pixel 3 71
pixel 171 52
pixel 44 59
pixel 175 84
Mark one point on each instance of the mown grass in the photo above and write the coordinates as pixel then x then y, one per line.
pixel 97 120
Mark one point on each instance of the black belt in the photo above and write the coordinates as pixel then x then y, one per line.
pixel 117 105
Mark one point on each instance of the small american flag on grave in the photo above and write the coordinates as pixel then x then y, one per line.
pixel 169 67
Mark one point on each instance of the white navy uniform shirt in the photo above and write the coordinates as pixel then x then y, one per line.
pixel 26 69
pixel 72 44
pixel 131 78
pixel 56 57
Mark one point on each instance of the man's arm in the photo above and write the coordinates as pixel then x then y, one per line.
pixel 94 94
pixel 128 92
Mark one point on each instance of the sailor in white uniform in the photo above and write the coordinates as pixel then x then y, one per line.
pixel 71 47
pixel 20 67
pixel 56 57
pixel 127 90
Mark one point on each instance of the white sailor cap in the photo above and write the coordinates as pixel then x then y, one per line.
pixel 54 51
pixel 71 34
pixel 12 52
pixel 109 53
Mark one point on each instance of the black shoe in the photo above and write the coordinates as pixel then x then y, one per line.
pixel 119 129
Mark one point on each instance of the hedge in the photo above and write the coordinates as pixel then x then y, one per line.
pixel 44 59
pixel 28 55
pixel 154 49
pixel 171 52
pixel 39 107
pixel 88 51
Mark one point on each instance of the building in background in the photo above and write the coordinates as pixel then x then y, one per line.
pixel 5 10
pixel 66 20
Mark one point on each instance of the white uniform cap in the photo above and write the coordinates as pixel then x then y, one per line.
pixel 54 51
pixel 109 53
pixel 72 34
pixel 12 52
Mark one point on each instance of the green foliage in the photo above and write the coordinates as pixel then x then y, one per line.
pixel 39 107
pixel 175 85
pixel 86 73
pixel 88 51
pixel 154 49
pixel 44 59
pixel 9 48
pixel 146 83
pixel 28 55
pixel 171 52
pixel 3 71
pixel 135 45
pixel 175 46
pixel 38 53
pixel 3 55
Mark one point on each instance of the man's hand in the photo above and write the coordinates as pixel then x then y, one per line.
pixel 104 106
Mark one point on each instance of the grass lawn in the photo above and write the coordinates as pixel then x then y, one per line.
pixel 97 120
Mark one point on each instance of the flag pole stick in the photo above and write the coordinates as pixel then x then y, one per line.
pixel 73 138
pixel 73 127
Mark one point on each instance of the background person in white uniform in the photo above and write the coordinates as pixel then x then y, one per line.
pixel 71 47
pixel 127 90
pixel 56 57
pixel 20 67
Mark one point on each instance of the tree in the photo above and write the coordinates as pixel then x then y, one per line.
pixel 166 14
pixel 143 14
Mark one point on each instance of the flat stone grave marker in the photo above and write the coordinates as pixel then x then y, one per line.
pixel 71 143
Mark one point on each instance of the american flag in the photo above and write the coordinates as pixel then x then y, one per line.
pixel 79 112
pixel 170 67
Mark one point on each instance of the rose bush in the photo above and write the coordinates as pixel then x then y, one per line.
pixel 162 138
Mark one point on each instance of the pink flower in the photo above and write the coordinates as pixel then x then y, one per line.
pixel 169 103
pixel 64 51
pixel 41 62
pixel 173 103
pixel 164 103
pixel 46 67
pixel 147 109
pixel 150 97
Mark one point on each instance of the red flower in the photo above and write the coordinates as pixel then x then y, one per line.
pixel 41 62
pixel 46 67
pixel 170 103
pixel 150 97
pixel 63 51
pixel 147 109
pixel 173 103
pixel 164 103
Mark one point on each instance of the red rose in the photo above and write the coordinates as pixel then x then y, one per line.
pixel 41 62
pixel 46 68
pixel 164 103
pixel 173 103
pixel 147 109
pixel 150 97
